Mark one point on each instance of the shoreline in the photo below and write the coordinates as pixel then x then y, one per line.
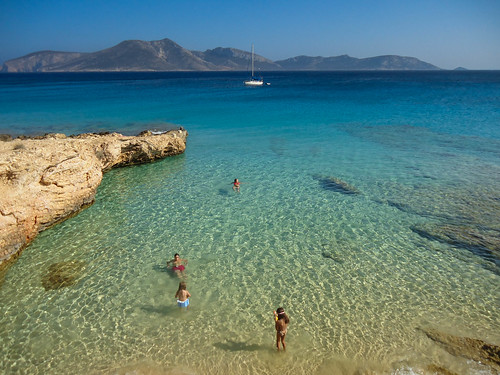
pixel 46 180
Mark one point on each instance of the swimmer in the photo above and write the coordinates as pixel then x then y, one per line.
pixel 179 264
pixel 236 185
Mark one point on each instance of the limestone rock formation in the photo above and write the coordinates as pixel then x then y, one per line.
pixel 467 347
pixel 481 241
pixel 46 180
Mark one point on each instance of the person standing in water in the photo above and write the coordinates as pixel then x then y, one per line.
pixel 182 295
pixel 281 326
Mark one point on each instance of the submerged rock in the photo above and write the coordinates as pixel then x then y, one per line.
pixel 477 207
pixel 336 249
pixel 3 271
pixel 482 242
pixel 332 256
pixel 434 369
pixel 62 274
pixel 5 137
pixel 336 184
pixel 474 349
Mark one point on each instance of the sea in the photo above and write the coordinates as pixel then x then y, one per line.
pixel 369 210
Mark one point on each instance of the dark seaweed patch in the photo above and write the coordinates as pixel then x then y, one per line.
pixel 481 242
pixel 62 274
pixel 330 256
pixel 336 185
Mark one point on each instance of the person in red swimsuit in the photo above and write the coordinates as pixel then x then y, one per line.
pixel 236 185
pixel 178 265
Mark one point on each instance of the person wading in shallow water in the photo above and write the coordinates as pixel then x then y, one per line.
pixel 281 326
pixel 178 265
pixel 182 295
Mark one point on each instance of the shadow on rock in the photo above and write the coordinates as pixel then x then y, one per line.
pixel 62 274
pixel 466 347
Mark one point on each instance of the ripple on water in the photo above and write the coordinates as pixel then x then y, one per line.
pixel 355 279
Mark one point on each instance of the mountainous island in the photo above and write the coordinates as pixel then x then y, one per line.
pixel 166 55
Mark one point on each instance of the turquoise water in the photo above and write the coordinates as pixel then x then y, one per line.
pixel 359 272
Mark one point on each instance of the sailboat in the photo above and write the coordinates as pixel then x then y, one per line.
pixel 254 81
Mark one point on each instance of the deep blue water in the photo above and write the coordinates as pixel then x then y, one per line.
pixel 361 193
pixel 447 101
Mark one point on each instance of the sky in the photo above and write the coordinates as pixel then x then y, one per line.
pixel 445 33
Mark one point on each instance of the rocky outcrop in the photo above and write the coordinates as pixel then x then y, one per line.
pixel 467 347
pixel 46 180
pixel 481 241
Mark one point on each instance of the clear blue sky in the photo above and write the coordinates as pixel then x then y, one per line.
pixel 446 33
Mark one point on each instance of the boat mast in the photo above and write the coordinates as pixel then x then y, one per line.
pixel 252 62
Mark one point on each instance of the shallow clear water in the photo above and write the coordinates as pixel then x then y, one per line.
pixel 354 272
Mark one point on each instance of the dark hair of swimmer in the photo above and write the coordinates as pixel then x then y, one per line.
pixel 281 314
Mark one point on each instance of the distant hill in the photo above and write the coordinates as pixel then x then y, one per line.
pixel 130 55
pixel 36 62
pixel 133 55
pixel 345 62
pixel 166 55
pixel 235 59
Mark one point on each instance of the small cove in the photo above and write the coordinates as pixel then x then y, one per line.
pixel 357 282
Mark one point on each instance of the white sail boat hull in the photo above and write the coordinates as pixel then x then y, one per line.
pixel 254 81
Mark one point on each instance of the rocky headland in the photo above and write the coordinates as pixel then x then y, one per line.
pixel 45 180
pixel 466 347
